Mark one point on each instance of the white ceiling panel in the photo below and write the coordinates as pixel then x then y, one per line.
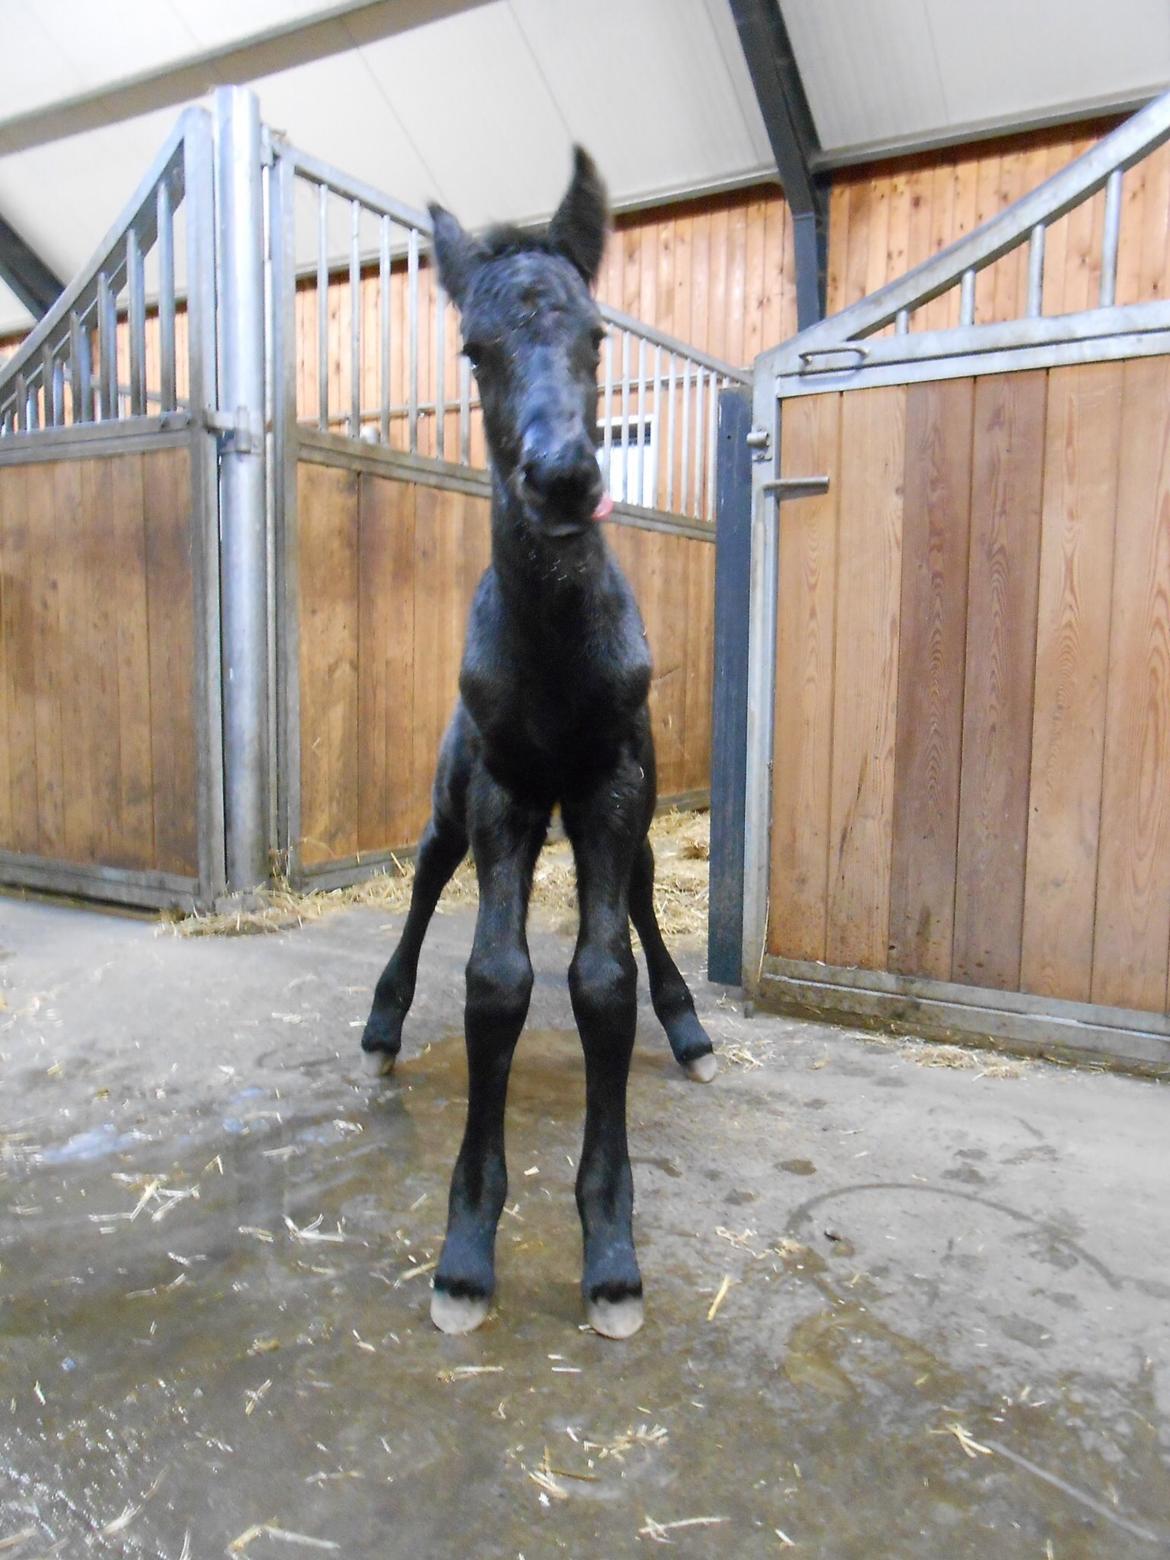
pixel 890 76
pixel 648 88
pixel 479 109
pixel 476 102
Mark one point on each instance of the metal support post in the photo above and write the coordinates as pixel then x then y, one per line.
pixel 729 714
pixel 244 585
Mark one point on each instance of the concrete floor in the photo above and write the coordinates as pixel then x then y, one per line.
pixel 946 1330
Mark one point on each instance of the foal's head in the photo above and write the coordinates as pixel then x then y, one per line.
pixel 533 332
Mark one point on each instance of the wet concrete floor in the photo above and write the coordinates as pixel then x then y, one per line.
pixel 893 1309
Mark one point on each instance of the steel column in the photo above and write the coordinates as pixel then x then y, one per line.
pixel 244 586
pixel 729 714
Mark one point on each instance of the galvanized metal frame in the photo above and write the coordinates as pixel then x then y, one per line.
pixel 183 172
pixel 239 208
pixel 402 232
pixel 841 353
pixel 89 302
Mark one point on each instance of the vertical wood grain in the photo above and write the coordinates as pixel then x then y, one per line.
pixel 1000 663
pixel 869 573
pixel 1072 662
pixel 810 436
pixel 1130 948
pixel 931 654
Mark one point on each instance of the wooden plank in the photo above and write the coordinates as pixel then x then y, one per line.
pixel 1072 663
pixel 838 255
pixel 170 598
pixel 86 501
pixel 327 513
pixel 45 560
pixel 16 632
pixel 376 610
pixel 932 641
pixel 132 834
pixel 83 661
pixel 406 812
pixel 803 727
pixel 433 568
pixel 1132 933
pixel 869 570
pixel 1001 649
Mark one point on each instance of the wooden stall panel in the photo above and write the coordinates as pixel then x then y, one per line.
pixel 1001 645
pixel 97 662
pixel 673 580
pixel 1132 931
pixel 932 643
pixel 803 730
pixel 869 577
pixel 387 572
pixel 1080 459
pixel 327 510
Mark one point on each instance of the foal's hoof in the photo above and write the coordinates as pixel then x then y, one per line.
pixel 702 1068
pixel 380 1064
pixel 382 1040
pixel 458 1313
pixel 616 1318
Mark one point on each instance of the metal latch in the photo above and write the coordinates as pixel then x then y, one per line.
pixel 795 487
pixel 235 434
pixel 759 441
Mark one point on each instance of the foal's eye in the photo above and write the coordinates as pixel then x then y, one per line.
pixel 473 351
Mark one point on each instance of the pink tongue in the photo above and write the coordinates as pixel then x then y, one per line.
pixel 604 508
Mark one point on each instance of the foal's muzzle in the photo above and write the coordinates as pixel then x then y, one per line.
pixel 562 484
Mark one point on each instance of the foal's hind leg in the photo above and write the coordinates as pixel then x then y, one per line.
pixel 506 840
pixel 441 849
pixel 669 992
pixel 603 986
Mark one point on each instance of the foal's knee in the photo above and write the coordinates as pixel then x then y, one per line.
pixel 603 983
pixel 499 985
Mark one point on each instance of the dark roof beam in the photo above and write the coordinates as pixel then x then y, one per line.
pixel 795 144
pixel 33 282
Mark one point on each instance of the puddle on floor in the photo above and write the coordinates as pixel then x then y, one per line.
pixel 226 1326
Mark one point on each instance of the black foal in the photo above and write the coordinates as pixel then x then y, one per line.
pixel 552 709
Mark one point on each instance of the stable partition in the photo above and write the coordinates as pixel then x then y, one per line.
pixel 382 498
pixel 957 798
pixel 385 568
pixel 111 765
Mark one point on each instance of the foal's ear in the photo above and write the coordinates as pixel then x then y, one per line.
pixel 457 252
pixel 579 227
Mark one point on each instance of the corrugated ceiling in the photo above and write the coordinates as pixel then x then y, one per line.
pixel 476 102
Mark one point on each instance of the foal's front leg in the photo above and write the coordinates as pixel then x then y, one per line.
pixel 603 984
pixel 506 837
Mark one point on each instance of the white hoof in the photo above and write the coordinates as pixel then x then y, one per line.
pixel 702 1068
pixel 457 1313
pixel 379 1064
pixel 616 1318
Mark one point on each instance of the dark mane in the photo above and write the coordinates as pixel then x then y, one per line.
pixel 505 239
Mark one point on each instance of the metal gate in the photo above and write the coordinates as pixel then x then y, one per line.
pixel 110 756
pixel 959 686
pixel 236 457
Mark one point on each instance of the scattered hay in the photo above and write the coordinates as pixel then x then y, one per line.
pixel 681 849
pixel 956 1056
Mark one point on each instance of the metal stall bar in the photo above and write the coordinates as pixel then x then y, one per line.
pixel 166 298
pixel 244 588
pixel 355 320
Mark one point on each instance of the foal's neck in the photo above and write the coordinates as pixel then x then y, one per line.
pixel 541 579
